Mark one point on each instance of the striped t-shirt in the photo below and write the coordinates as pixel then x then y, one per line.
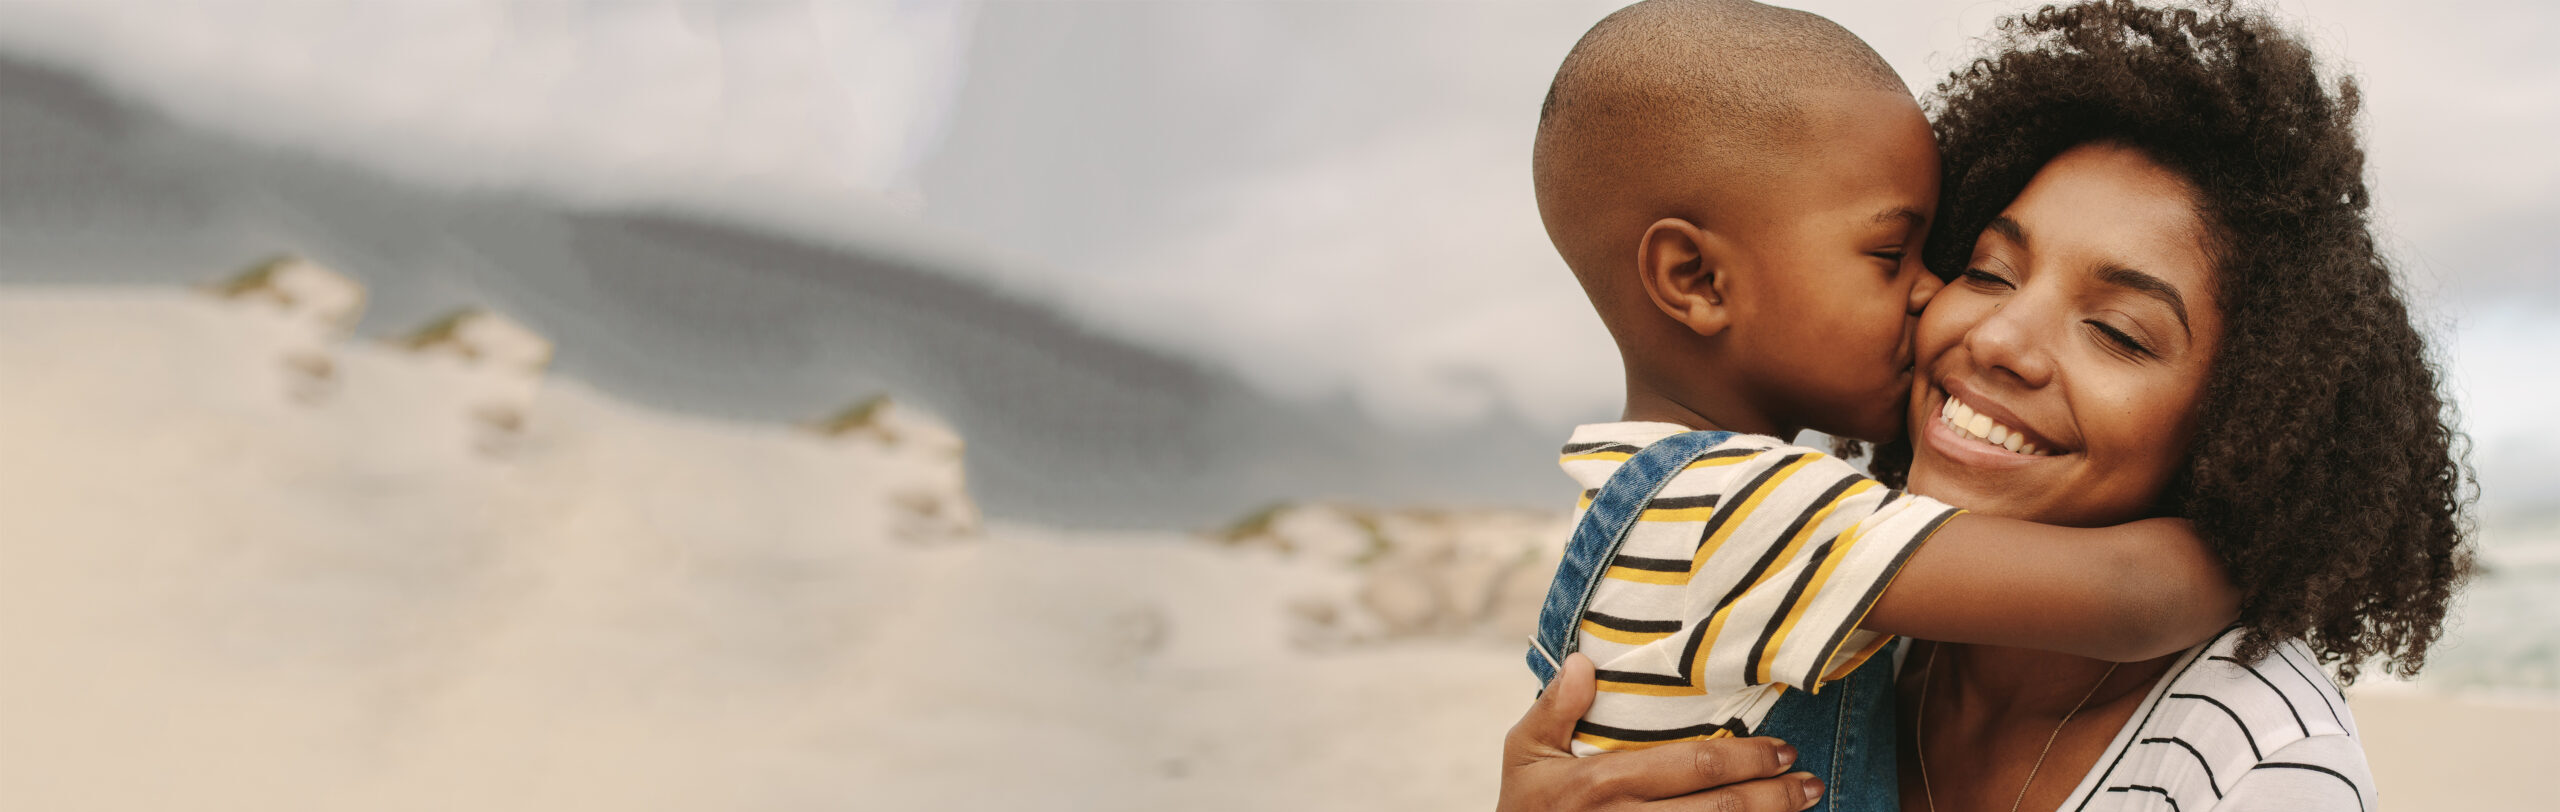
pixel 2219 734
pixel 1747 573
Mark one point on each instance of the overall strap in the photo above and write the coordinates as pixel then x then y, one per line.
pixel 1596 539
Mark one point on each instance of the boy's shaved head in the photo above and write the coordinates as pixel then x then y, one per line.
pixel 1667 107
pixel 1743 192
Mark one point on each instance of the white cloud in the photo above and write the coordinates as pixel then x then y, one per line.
pixel 2500 373
pixel 612 102
pixel 1411 272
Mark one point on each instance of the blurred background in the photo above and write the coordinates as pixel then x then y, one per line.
pixel 413 404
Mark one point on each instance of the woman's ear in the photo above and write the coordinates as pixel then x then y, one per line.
pixel 1682 270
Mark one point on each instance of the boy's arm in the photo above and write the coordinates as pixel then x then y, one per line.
pixel 2126 593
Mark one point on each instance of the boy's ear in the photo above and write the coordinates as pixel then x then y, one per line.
pixel 1682 268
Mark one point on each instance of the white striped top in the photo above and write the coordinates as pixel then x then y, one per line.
pixel 2220 734
pixel 1746 574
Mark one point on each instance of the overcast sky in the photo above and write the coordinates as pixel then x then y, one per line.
pixel 1330 199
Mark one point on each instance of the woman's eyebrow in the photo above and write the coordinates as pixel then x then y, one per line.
pixel 2010 229
pixel 2148 285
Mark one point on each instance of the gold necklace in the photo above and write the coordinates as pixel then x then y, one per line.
pixel 1920 729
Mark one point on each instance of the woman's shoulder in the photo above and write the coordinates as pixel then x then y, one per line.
pixel 2282 697
pixel 2220 729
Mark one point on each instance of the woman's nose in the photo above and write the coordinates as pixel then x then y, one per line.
pixel 2010 340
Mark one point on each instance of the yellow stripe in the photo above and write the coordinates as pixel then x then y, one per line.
pixel 1649 689
pixel 1621 456
pixel 1742 512
pixel 1680 515
pixel 1618 573
pixel 1698 514
pixel 1615 456
pixel 1621 636
pixel 1821 573
pixel 1616 746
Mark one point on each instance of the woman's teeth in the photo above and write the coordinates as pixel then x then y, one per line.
pixel 1981 427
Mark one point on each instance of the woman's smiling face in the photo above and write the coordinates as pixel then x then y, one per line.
pixel 2058 379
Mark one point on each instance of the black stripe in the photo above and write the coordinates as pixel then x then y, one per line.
pixel 2350 782
pixel 1627 735
pixel 2319 687
pixel 1631 624
pixel 1840 636
pixel 2166 679
pixel 1641 678
pixel 1741 495
pixel 1571 449
pixel 1795 593
pixel 1760 645
pixel 2254 753
pixel 1637 562
pixel 1724 513
pixel 2173 800
pixel 1681 502
pixel 2209 780
pixel 2288 701
pixel 1667 503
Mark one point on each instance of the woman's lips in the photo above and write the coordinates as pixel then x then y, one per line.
pixel 1981 427
pixel 1962 434
pixel 1942 440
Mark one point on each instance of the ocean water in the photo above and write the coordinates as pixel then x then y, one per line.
pixel 2503 635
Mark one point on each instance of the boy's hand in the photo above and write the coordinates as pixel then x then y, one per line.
pixel 1540 772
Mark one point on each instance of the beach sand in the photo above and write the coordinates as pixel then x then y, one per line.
pixel 2437 752
pixel 222 589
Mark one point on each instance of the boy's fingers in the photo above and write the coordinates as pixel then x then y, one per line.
pixel 1786 793
pixel 1547 729
pixel 1682 768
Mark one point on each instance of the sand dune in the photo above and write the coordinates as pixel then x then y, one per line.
pixel 220 590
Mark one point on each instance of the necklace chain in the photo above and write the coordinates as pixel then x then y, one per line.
pixel 1920 730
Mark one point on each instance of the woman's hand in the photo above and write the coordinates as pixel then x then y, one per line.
pixel 1539 771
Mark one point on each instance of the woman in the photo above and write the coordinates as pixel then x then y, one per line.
pixel 2156 228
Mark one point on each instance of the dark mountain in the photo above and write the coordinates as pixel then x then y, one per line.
pixel 704 316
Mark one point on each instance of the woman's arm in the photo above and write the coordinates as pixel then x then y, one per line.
pixel 1540 774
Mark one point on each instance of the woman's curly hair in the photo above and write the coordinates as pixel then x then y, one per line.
pixel 2323 468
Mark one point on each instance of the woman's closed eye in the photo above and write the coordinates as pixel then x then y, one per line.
pixel 2120 340
pixel 1986 279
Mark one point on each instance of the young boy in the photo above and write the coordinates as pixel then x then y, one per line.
pixel 1742 191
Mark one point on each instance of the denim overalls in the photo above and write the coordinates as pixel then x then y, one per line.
pixel 1844 735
